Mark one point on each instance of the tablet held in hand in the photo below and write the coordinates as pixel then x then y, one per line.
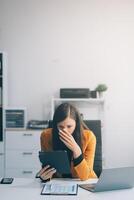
pixel 56 159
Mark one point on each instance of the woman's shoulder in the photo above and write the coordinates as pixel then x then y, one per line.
pixel 46 139
pixel 88 135
pixel 46 133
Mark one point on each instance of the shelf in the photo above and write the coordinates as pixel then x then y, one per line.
pixel 89 100
pixel 90 103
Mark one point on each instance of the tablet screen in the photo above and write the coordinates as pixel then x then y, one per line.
pixel 57 159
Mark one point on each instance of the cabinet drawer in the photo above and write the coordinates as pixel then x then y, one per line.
pixel 1 147
pixel 21 173
pixel 26 159
pixel 23 139
pixel 1 164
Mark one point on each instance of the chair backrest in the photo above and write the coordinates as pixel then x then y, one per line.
pixel 95 126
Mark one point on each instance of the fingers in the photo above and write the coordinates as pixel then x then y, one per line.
pixel 68 144
pixel 66 136
pixel 68 140
pixel 48 174
pixel 64 131
pixel 44 169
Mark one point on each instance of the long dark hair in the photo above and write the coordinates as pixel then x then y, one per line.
pixel 61 113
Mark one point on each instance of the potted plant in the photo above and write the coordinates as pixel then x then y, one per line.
pixel 101 88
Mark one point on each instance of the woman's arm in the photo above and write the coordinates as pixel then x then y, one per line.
pixel 83 163
pixel 84 168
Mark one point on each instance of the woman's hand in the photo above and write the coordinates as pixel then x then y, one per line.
pixel 47 172
pixel 70 142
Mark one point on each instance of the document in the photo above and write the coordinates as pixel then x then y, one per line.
pixel 59 189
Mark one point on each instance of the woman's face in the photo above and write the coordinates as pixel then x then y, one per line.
pixel 68 125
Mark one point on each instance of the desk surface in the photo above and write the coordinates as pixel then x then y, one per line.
pixel 30 189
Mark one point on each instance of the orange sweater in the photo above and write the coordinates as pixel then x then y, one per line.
pixel 84 170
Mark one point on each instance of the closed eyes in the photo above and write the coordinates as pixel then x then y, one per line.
pixel 61 127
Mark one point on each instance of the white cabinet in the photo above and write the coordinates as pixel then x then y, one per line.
pixel 22 149
pixel 90 108
pixel 1 164
pixel 1 159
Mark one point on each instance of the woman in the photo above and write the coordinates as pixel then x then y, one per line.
pixel 71 134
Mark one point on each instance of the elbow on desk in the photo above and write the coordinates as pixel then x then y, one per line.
pixel 86 177
pixel 84 173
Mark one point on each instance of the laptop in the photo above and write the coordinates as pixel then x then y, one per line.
pixel 112 179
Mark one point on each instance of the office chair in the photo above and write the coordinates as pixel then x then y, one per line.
pixel 95 126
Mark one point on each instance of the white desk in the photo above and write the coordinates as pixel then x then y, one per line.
pixel 29 189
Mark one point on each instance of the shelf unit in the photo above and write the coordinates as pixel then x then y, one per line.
pixel 87 103
pixel 3 103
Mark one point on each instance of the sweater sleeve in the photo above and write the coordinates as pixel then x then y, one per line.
pixel 84 169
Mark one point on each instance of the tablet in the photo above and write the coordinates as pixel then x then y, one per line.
pixel 57 159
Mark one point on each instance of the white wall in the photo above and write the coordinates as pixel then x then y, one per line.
pixel 73 43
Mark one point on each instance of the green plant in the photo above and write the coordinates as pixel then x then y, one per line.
pixel 101 87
